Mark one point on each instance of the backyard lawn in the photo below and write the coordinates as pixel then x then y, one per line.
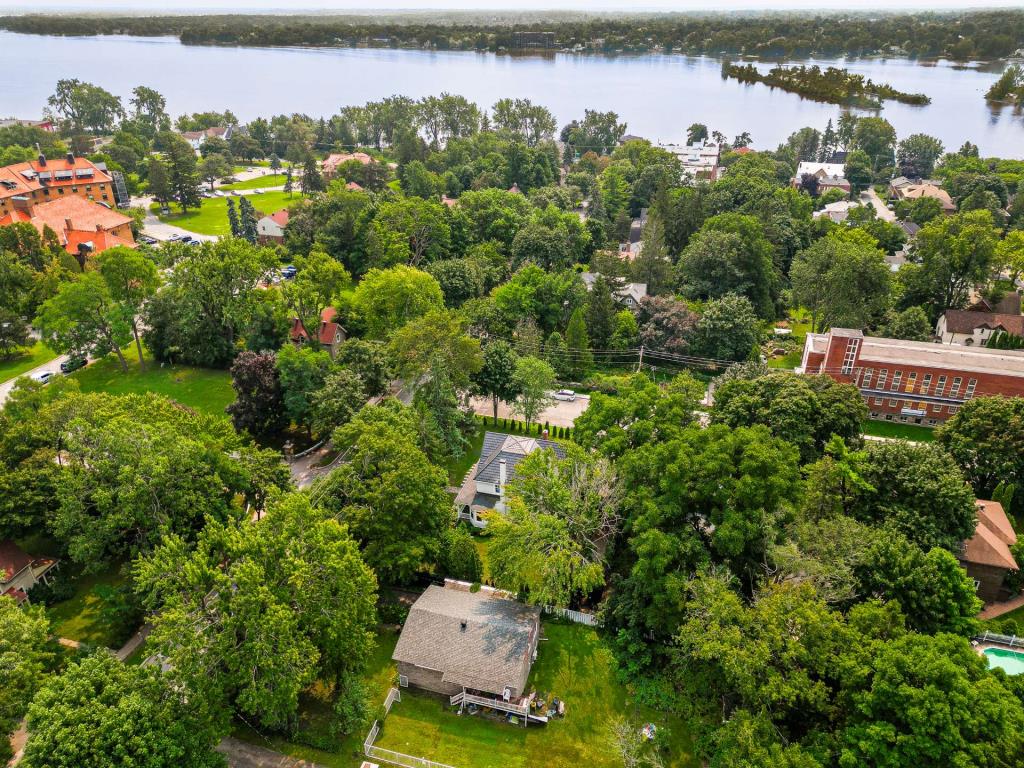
pixel 25 361
pixel 82 616
pixel 212 217
pixel 573 664
pixel 260 182
pixel 897 430
pixel 800 323
pixel 204 389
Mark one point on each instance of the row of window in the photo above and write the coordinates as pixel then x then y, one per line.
pixel 902 418
pixel 936 407
pixel 868 374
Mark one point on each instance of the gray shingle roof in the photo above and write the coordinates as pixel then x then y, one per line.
pixel 491 651
pixel 512 448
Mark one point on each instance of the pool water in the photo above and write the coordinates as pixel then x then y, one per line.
pixel 1011 661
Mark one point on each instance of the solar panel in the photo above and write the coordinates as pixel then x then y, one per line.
pixel 28 173
pixel 83 173
pixel 44 175
pixel 63 175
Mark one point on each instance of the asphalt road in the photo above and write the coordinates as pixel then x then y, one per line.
pixel 53 366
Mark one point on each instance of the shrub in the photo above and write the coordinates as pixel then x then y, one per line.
pixel 57 591
pixel 460 558
pixel 391 611
pixel 350 710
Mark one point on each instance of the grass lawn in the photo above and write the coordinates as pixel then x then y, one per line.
pixel 895 429
pixel 81 617
pixel 25 361
pixel 212 217
pixel 573 664
pixel 270 180
pixel 380 675
pixel 204 389
pixel 800 323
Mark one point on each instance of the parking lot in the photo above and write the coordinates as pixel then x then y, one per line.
pixel 562 414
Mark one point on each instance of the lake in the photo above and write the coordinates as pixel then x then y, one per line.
pixel 657 95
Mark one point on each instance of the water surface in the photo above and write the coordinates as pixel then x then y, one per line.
pixel 657 95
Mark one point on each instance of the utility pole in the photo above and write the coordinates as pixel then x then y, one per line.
pixel 640 360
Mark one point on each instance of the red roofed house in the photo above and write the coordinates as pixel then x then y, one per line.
pixel 19 572
pixel 986 556
pixel 270 229
pixel 82 227
pixel 330 334
pixel 42 180
pixel 353 187
pixel 329 167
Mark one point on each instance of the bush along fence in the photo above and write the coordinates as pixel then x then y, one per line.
pixel 387 755
pixel 516 427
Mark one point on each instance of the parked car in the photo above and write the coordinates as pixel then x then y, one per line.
pixel 43 377
pixel 73 364
pixel 289 272
pixel 565 394
pixel 175 238
pixel 147 240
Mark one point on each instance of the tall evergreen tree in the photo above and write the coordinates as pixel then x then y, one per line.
pixel 289 182
pixel 159 180
pixel 275 163
pixel 182 173
pixel 828 143
pixel 601 313
pixel 578 341
pixel 652 265
pixel 247 223
pixel 311 180
pixel 236 228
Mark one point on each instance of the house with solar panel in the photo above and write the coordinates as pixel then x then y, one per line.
pixel 484 487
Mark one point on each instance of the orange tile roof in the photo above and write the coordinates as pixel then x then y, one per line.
pixel 992 538
pixel 90 222
pixel 22 178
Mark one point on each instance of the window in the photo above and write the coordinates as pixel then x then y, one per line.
pixel 936 407
pixel 851 356
pixel 882 375
pixel 60 191
pixel 403 681
pixel 911 381
pixel 893 403
pixel 956 387
pixel 879 400
pixel 925 383
pixel 104 197
pixel 940 385
pixel 903 418
pixel 888 417
pixel 896 376
pixel 953 409
pixel 866 381
pixel 932 422
pixel 971 386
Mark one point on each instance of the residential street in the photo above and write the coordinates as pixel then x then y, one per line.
pixel 53 366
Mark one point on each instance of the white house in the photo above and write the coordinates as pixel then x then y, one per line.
pixel 629 294
pixel 829 175
pixel 700 160
pixel 838 211
pixel 196 138
pixel 485 484
pixel 270 229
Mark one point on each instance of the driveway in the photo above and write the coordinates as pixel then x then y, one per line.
pixel 870 197
pixel 53 366
pixel 243 755
pixel 561 414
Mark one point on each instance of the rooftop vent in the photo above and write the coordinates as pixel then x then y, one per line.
pixel 462 625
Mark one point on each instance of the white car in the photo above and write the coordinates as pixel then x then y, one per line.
pixel 43 377
pixel 565 394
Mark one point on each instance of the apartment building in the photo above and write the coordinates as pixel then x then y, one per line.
pixel 43 180
pixel 916 382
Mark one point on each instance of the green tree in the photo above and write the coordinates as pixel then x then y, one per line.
pixel 533 380
pixel 460 557
pixel 257 612
pixel 697 132
pixel 132 279
pixel 25 657
pixel 438 337
pixel 916 155
pixel 578 342
pixel 247 225
pixel 551 540
pixel 84 319
pixel 182 172
pixel 311 181
pixel 369 360
pixel 858 170
pixel 556 353
pixel 388 298
pixel 302 372
pixel 601 313
pixel 233 221
pixel 158 180
pixel 318 282
pixel 258 407
pixel 911 324
pixel 100 707
pixel 337 401
pixel 843 284
pixel 86 107
pixel 214 167
pixel 728 329
pixel 496 377
pixel 876 137
pixel 408 231
pixel 390 494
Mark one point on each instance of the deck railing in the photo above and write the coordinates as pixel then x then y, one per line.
pixel 1010 640
pixel 493 703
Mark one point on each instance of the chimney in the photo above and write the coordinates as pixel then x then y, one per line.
pixel 22 203
pixel 502 478
pixel 99 227
pixel 42 159
pixel 67 225
pixel 71 158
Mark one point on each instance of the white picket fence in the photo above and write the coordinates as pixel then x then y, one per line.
pixel 577 617
pixel 390 756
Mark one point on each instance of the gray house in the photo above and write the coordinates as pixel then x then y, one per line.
pixel 484 487
pixel 472 645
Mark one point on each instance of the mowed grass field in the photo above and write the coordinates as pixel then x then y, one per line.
pixel 25 361
pixel 260 182
pixel 575 665
pixel 211 218
pixel 204 389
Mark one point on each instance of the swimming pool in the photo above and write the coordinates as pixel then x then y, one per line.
pixel 1011 661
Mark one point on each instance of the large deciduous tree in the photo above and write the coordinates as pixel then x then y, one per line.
pixel 389 298
pixel 131 279
pixel 259 405
pixel 257 612
pixel 496 377
pixel 533 380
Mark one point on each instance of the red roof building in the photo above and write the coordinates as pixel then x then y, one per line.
pixel 986 556
pixel 913 381
pixel 82 227
pixel 19 571
pixel 330 334
pixel 43 180
pixel 329 167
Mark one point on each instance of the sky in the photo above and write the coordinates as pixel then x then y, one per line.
pixel 154 6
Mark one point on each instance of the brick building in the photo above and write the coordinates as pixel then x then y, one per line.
pixel 42 180
pixel 916 382
pixel 986 556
